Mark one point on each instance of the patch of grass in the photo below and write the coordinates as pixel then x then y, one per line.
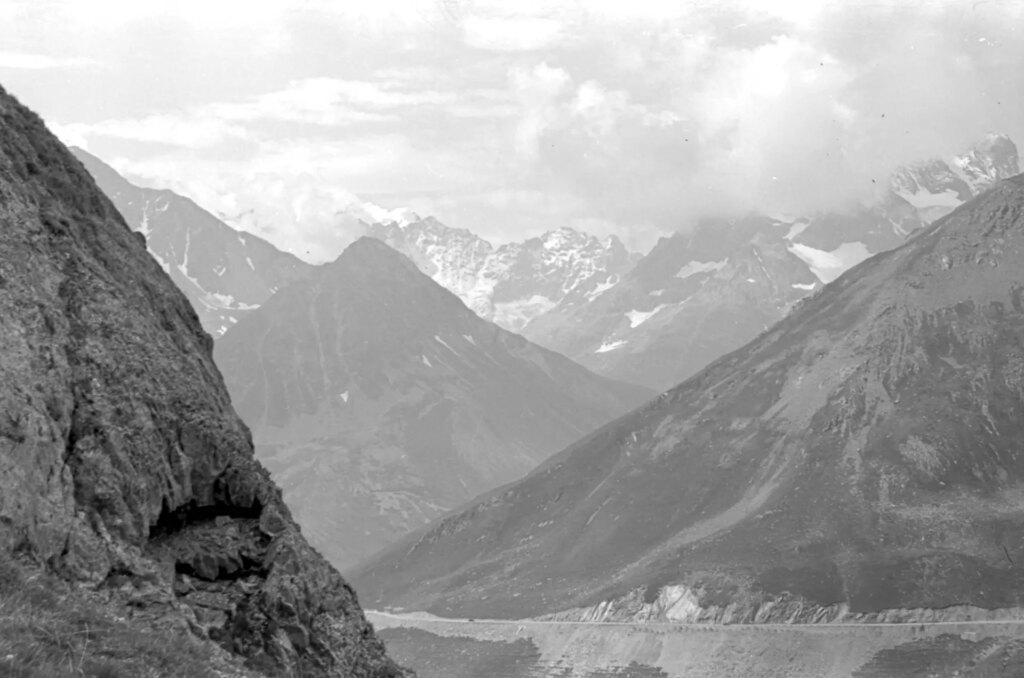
pixel 50 630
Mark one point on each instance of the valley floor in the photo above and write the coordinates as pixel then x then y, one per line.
pixel 462 648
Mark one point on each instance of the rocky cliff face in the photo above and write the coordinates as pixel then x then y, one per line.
pixel 223 272
pixel 122 464
pixel 380 401
pixel 865 451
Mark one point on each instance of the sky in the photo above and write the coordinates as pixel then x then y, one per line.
pixel 626 117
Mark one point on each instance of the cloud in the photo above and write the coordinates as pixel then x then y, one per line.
pixel 294 191
pixel 811 116
pixel 189 131
pixel 313 101
pixel 514 118
pixel 510 33
pixel 37 62
pixel 537 91
pixel 321 101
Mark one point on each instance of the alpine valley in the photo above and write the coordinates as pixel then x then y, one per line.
pixel 467 339
pixel 858 463
pixel 379 400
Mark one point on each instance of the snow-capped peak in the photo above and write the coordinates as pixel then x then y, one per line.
pixel 515 282
pixel 935 187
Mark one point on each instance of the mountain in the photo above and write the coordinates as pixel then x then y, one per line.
pixel 935 187
pixel 123 467
pixel 513 283
pixel 666 319
pixel 700 294
pixel 862 459
pixel 224 273
pixel 380 401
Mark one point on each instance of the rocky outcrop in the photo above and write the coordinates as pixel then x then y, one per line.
pixel 123 466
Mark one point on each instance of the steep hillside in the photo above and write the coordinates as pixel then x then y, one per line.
pixel 701 294
pixel 379 400
pixel 223 272
pixel 123 467
pixel 862 456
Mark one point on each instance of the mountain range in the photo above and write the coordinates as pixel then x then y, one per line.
pixel 859 460
pixel 653 320
pixel 701 293
pixel 380 401
pixel 515 282
pixel 224 273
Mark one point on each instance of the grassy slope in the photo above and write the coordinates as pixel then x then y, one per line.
pixel 51 630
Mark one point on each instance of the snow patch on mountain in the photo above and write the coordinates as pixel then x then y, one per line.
pixel 827 266
pixel 695 267
pixel 637 318
pixel 445 344
pixel 516 314
pixel 602 287
pixel 796 229
pixel 610 346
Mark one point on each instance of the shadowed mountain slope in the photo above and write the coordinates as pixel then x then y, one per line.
pixel 379 400
pixel 865 453
pixel 123 467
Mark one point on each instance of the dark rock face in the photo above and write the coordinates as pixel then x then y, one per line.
pixel 865 452
pixel 121 458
